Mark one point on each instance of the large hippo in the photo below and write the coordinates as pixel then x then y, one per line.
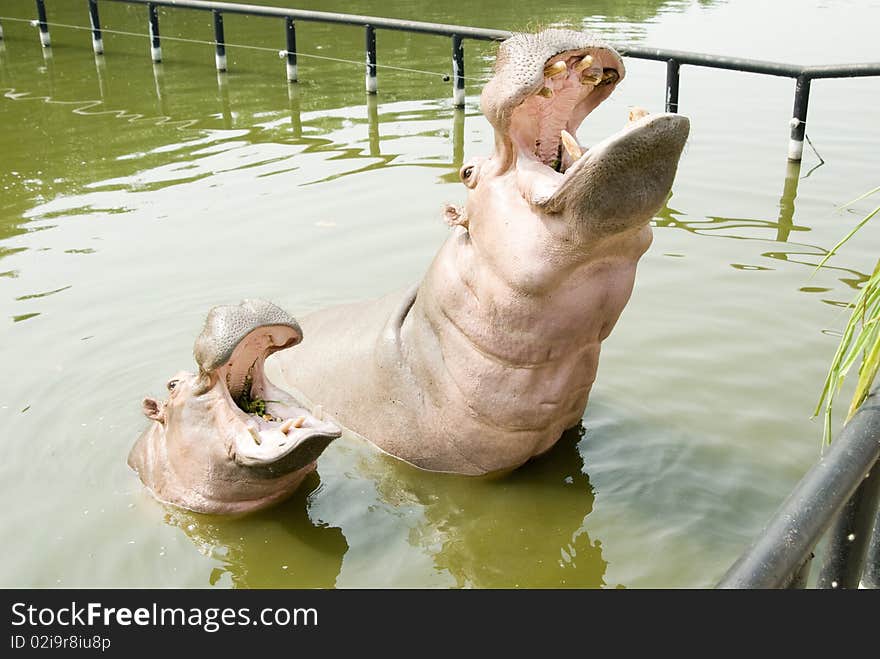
pixel 488 360
pixel 226 440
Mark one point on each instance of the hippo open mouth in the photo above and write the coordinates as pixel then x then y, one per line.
pixel 225 440
pixel 267 427
pixel 544 86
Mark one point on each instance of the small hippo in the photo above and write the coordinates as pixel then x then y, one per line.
pixel 226 440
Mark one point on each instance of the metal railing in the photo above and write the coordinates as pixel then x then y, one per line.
pixel 803 75
pixel 839 495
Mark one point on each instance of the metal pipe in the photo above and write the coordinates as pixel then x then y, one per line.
pixel 712 61
pixel 672 77
pixel 290 35
pixel 799 118
pixel 95 20
pixel 871 574
pixel 850 536
pixel 220 41
pixel 796 527
pixel 465 32
pixel 370 77
pixel 334 17
pixel 457 72
pixel 799 579
pixel 155 42
pixel 45 39
pixel 843 70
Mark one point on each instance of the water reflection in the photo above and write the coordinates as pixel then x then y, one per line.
pixel 524 528
pixel 373 121
pixel 782 228
pixel 278 547
pixel 223 94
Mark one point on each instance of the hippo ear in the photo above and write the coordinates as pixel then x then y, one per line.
pixel 154 410
pixel 454 216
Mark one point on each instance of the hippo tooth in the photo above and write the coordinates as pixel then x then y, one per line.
pixel 546 92
pixel 591 80
pixel 286 426
pixel 555 69
pixel 610 76
pixel 255 434
pixel 318 412
pixel 299 422
pixel 584 63
pixel 571 145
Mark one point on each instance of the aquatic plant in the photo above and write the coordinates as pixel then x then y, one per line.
pixel 861 337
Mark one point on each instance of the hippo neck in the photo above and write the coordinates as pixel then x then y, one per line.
pixel 504 364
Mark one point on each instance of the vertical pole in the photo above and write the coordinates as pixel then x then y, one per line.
pixel 371 83
pixel 45 39
pixel 220 54
pixel 1 33
pixel 290 32
pixel 849 536
pixel 799 118
pixel 95 20
pixel 155 42
pixel 672 70
pixel 457 72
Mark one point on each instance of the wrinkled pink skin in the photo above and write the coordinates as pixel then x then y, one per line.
pixel 184 457
pixel 488 361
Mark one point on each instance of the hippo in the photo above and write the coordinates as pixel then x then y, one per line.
pixel 226 440
pixel 484 364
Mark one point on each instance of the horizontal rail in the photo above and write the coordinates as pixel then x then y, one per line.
pixel 484 34
pixel 788 539
pixel 331 17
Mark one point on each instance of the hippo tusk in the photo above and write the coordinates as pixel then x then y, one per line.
pixel 255 434
pixel 591 80
pixel 555 69
pixel 571 145
pixel 584 63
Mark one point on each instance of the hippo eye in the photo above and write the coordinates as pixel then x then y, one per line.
pixel 467 172
pixel 171 384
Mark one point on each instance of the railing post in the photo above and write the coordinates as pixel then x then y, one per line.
pixel 850 535
pixel 220 40
pixel 45 39
pixel 457 72
pixel 95 20
pixel 155 42
pixel 290 32
pixel 672 76
pixel 799 118
pixel 371 83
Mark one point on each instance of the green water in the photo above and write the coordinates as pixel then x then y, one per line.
pixel 134 197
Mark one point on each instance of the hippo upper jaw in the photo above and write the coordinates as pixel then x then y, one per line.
pixel 544 84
